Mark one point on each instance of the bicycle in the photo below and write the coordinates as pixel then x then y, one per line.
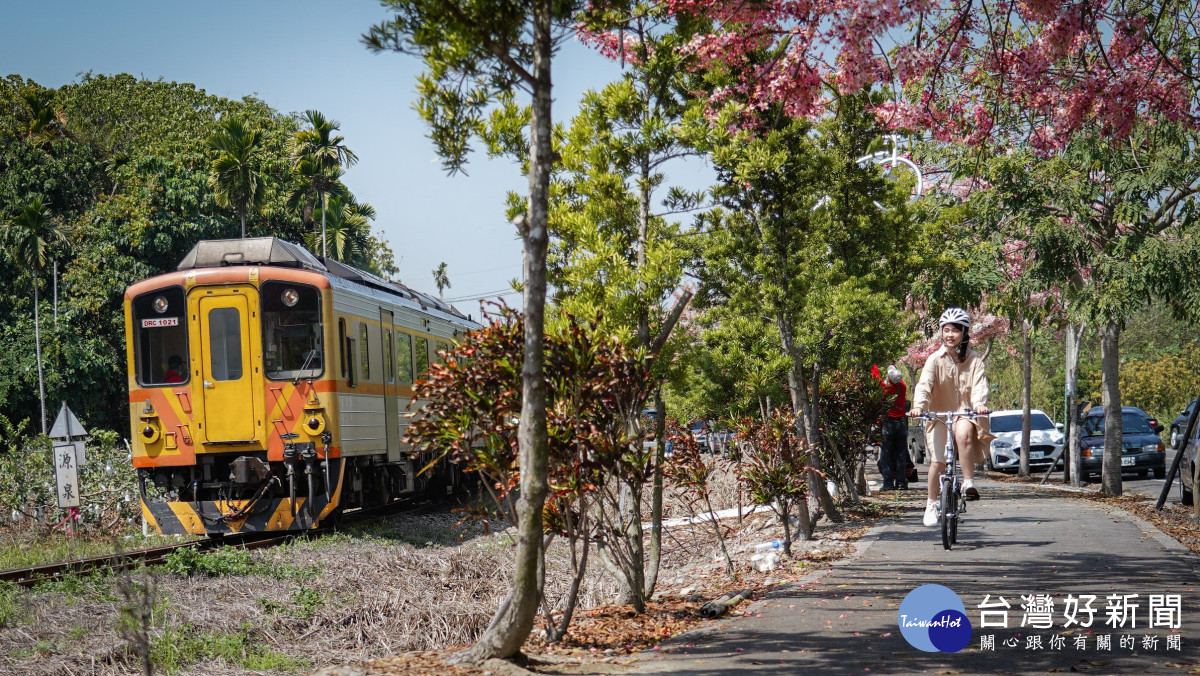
pixel 951 503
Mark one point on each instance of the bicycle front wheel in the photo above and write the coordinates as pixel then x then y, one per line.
pixel 947 508
pixel 954 526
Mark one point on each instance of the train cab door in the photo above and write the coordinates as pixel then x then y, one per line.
pixel 391 401
pixel 223 323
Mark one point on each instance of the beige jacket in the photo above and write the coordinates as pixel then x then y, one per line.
pixel 947 385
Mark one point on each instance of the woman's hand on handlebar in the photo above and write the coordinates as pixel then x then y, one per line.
pixel 915 412
pixel 982 410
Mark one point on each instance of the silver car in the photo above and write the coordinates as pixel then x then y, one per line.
pixel 1045 438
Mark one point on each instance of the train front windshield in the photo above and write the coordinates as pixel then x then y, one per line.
pixel 291 321
pixel 160 334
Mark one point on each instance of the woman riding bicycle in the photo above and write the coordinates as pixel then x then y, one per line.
pixel 953 380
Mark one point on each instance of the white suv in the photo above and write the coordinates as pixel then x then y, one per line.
pixel 1005 453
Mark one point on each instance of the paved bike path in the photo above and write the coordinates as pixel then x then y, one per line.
pixel 1019 540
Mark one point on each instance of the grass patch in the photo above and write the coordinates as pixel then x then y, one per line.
pixel 40 649
pixel 24 549
pixel 305 603
pixel 177 649
pixel 95 585
pixel 12 609
pixel 308 601
pixel 231 562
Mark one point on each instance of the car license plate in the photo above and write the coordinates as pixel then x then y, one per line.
pixel 1128 461
pixel 1036 455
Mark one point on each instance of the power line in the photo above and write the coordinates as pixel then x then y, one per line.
pixel 507 291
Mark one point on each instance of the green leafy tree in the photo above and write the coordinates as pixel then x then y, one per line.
pixel 235 178
pixel 319 155
pixel 734 368
pixel 126 168
pixel 29 238
pixel 854 403
pixel 814 242
pixel 472 419
pixel 347 231
pixel 1111 226
pixel 612 254
pixel 773 466
pixel 473 54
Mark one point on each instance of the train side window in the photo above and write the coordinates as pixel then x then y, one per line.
pixel 422 356
pixel 225 343
pixel 389 357
pixel 342 345
pixel 351 373
pixel 442 346
pixel 404 356
pixel 161 337
pixel 365 355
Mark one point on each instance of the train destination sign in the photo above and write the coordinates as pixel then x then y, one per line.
pixel 160 321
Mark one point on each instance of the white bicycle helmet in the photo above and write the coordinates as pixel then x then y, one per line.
pixel 955 315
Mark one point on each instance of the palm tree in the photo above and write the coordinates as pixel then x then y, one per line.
pixel 313 187
pixel 236 178
pixel 318 156
pixel 28 237
pixel 347 228
pixel 46 125
pixel 440 279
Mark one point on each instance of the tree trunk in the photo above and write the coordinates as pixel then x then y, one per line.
pixel 806 423
pixel 633 582
pixel 511 625
pixel 1110 364
pixel 1026 386
pixel 823 495
pixel 325 249
pixel 656 499
pixel 37 339
pixel 1075 453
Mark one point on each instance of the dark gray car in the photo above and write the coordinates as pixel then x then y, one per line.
pixel 1178 423
pixel 1141 449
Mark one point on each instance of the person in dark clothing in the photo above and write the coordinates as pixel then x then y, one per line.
pixel 893 453
pixel 176 373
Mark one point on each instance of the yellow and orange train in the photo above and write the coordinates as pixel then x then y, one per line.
pixel 270 389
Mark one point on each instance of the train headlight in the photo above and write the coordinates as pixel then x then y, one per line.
pixel 315 424
pixel 150 433
pixel 161 304
pixel 289 297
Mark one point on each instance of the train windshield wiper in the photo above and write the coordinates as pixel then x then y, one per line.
pixel 307 360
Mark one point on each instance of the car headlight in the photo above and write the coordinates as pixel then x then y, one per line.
pixel 1001 445
pixel 1150 448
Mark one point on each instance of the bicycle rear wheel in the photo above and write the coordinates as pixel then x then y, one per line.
pixel 947 509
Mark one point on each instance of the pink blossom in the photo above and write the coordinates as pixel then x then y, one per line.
pixel 1057 67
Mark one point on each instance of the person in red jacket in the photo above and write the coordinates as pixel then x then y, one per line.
pixel 176 373
pixel 893 453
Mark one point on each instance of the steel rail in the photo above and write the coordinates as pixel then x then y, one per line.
pixel 153 556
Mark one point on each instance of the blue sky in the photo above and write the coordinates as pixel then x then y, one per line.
pixel 305 54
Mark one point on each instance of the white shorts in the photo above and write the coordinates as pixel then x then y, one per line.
pixel 935 441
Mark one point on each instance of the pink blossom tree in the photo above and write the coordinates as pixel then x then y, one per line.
pixel 1065 65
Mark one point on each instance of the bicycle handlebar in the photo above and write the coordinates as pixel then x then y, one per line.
pixel 939 415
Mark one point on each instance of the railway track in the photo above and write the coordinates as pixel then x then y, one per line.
pixel 35 575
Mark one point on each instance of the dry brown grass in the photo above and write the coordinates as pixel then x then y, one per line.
pixel 408 584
